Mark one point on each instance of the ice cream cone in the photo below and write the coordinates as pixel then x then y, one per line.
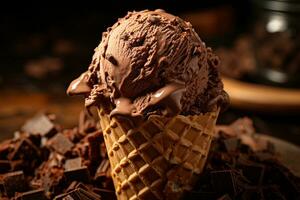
pixel 154 62
pixel 159 158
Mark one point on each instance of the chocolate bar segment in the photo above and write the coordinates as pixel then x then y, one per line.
pixel 32 195
pixel 61 143
pixel 14 182
pixel 73 163
pixel 80 174
pixel 39 124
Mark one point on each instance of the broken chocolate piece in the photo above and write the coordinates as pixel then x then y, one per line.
pixel 78 194
pixel 25 149
pixel 40 124
pixel 32 195
pixel 102 175
pixel 95 139
pixel 232 168
pixel 73 163
pixel 75 185
pixel 78 174
pixel 14 182
pixel 218 179
pixel 103 168
pixel 88 194
pixel 25 156
pixel 61 144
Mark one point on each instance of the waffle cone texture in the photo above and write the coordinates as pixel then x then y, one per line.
pixel 160 158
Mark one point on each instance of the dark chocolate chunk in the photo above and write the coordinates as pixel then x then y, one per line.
pixel 75 185
pixel 25 149
pixel 72 186
pixel 32 195
pixel 95 139
pixel 83 186
pixel 89 194
pixel 103 168
pixel 5 166
pixel 78 194
pixel 73 163
pixel 40 124
pixel 61 143
pixel 25 156
pixel 78 174
pixel 102 174
pixel 232 168
pixel 218 178
pixel 14 182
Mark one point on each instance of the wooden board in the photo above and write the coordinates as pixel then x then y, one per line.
pixel 262 98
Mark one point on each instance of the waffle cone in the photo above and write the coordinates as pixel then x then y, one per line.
pixel 159 158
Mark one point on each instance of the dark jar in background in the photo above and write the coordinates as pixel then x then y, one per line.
pixel 276 33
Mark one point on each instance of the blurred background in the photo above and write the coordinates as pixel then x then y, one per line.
pixel 44 47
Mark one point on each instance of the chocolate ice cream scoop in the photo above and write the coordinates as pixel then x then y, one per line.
pixel 152 62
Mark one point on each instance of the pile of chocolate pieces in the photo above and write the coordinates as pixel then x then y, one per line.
pixel 45 161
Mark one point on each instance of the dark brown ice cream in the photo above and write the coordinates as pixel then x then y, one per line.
pixel 152 62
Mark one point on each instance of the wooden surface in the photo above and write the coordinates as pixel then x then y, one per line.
pixel 16 107
pixel 262 98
